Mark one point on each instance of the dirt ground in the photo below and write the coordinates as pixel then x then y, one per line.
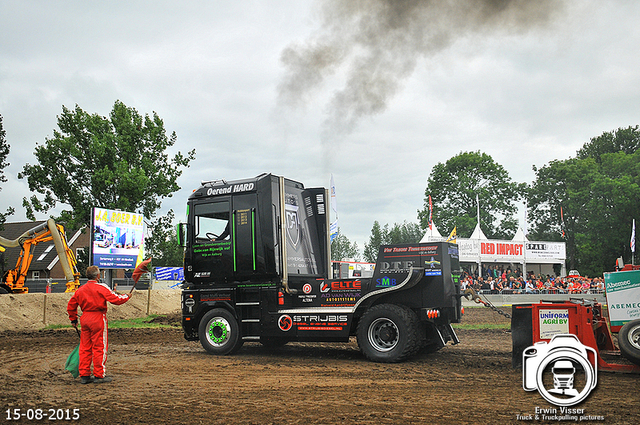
pixel 161 378
pixel 34 311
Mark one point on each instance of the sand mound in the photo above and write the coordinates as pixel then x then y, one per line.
pixel 35 311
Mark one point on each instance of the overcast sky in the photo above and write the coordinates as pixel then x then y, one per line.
pixel 375 96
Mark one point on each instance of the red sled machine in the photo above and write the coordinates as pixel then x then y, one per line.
pixel 532 323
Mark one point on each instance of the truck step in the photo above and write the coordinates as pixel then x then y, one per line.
pixel 250 320
pixel 251 338
pixel 249 303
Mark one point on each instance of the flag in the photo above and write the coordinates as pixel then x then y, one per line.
pixel 562 218
pixel 633 236
pixel 333 227
pixel 452 236
pixel 73 362
pixel 525 220
pixel 334 203
pixel 430 214
pixel 140 270
pixel 333 230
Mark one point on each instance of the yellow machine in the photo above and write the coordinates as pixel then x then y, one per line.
pixel 13 280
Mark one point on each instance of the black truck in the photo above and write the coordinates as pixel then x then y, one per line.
pixel 258 268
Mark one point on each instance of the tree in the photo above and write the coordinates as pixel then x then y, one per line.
pixel 397 234
pixel 599 196
pixel 343 249
pixel 4 152
pixel 162 242
pixel 120 162
pixel 626 140
pixel 557 202
pixel 453 187
pixel 375 240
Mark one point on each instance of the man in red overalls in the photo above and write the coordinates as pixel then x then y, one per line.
pixel 92 298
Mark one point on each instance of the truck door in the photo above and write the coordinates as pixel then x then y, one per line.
pixel 212 246
pixel 247 252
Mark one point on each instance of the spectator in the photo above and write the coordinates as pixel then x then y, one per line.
pixel 516 285
pixel 529 287
pixel 484 285
pixel 600 286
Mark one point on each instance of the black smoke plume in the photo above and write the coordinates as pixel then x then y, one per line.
pixel 378 43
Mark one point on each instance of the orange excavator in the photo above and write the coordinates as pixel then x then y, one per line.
pixel 14 279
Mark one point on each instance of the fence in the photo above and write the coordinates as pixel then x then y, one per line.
pixel 543 291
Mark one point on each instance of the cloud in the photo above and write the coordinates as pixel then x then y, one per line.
pixel 380 43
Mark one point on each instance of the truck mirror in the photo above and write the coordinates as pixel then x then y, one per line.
pixel 181 232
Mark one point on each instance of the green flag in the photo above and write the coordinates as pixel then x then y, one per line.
pixel 73 361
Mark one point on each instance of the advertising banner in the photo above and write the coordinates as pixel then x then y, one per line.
pixel 117 239
pixel 169 273
pixel 623 297
pixel 509 251
pixel 542 251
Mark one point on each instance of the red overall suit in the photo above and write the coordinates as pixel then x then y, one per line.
pixel 92 298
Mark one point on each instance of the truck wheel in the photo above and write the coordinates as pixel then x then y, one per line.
pixel 388 333
pixel 219 332
pixel 629 341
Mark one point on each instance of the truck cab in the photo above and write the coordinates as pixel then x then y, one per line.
pixel 257 268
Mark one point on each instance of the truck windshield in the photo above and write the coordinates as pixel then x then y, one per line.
pixel 212 221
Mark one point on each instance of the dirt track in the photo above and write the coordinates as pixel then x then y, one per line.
pixel 161 378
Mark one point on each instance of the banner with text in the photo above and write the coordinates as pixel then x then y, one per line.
pixel 117 239
pixel 509 251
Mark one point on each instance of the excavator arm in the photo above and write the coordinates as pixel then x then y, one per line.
pixel 48 231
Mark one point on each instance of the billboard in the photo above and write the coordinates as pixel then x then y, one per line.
pixel 117 239
pixel 623 297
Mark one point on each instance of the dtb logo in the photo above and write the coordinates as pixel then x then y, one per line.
pixel 395 266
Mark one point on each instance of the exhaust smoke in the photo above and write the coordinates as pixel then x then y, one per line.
pixel 377 44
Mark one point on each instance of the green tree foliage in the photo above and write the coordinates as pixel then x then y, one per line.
pixel 561 188
pixel 453 187
pixel 375 240
pixel 599 192
pixel 4 152
pixel 120 162
pixel 162 242
pixel 397 234
pixel 343 249
pixel 625 140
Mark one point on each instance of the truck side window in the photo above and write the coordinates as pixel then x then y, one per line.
pixel 212 221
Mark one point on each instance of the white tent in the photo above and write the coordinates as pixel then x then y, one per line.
pixel 477 233
pixel 432 235
pixel 520 236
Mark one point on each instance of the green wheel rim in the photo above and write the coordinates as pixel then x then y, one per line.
pixel 218 330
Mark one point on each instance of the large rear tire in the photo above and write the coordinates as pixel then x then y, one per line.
pixel 219 332
pixel 629 341
pixel 388 333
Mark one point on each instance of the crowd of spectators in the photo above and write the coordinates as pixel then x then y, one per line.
pixel 496 280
